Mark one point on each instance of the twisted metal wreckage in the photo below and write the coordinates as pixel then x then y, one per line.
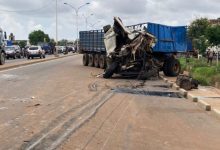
pixel 129 51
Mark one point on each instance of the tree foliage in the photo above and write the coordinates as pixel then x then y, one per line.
pixel 22 44
pixel 197 33
pixel 39 36
pixel 63 42
pixel 213 34
pixel 198 28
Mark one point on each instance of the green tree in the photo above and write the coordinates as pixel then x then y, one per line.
pixel 213 34
pixel 62 42
pixel 197 32
pixel 39 36
pixel 22 44
pixel 198 28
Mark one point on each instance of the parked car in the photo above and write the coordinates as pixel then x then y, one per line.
pixel 18 52
pixel 10 52
pixel 60 49
pixel 47 49
pixel 71 49
pixel 35 51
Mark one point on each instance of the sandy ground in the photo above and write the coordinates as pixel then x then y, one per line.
pixel 62 104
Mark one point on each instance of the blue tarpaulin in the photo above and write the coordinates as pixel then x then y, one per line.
pixel 169 39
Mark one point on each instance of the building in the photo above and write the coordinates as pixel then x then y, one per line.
pixel 215 21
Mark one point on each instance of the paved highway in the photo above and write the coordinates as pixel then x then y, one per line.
pixel 62 104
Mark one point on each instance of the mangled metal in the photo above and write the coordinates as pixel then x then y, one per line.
pixel 129 52
pixel 186 82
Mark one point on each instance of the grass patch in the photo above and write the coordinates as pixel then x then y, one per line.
pixel 201 71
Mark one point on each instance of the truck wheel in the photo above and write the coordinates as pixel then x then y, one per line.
pixel 85 59
pixel 91 60
pixel 2 59
pixel 171 67
pixel 102 61
pixel 96 60
pixel 110 70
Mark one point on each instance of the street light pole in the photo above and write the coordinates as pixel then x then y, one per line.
pixel 86 19
pixel 92 25
pixel 56 54
pixel 77 26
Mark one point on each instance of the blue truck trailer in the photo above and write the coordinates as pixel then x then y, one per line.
pixel 169 41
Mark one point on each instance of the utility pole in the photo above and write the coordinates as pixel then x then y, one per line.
pixel 77 26
pixel 56 53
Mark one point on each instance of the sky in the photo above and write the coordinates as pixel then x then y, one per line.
pixel 21 17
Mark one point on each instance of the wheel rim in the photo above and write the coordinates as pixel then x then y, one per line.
pixel 176 68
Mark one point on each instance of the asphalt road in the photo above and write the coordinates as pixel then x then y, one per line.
pixel 62 104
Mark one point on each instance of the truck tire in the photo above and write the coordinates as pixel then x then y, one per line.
pixel 110 70
pixel 91 60
pixel 85 59
pixel 102 61
pixel 171 67
pixel 96 60
pixel 2 58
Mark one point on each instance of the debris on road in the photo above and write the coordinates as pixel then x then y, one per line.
pixel 35 105
pixel 186 82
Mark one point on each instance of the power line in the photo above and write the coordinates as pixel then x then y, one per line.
pixel 30 10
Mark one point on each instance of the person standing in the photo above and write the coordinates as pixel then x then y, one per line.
pixel 210 55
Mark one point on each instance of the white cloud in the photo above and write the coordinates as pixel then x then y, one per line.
pixel 170 12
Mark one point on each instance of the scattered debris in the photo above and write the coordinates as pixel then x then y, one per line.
pixel 37 105
pixel 34 105
pixel 186 82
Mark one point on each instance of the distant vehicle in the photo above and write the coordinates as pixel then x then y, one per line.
pixel 10 52
pixel 18 52
pixel 60 49
pixel 35 51
pixel 47 49
pixel 71 49
pixel 2 44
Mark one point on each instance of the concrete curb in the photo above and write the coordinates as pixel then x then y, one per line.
pixel 216 113
pixel 33 62
pixel 183 92
pixel 189 96
pixel 175 87
pixel 192 97
pixel 204 105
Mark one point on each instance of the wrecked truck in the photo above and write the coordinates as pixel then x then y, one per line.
pixel 140 50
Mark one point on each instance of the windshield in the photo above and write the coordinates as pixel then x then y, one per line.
pixel 9 48
pixel 33 48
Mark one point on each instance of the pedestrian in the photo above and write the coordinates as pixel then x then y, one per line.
pixel 210 55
